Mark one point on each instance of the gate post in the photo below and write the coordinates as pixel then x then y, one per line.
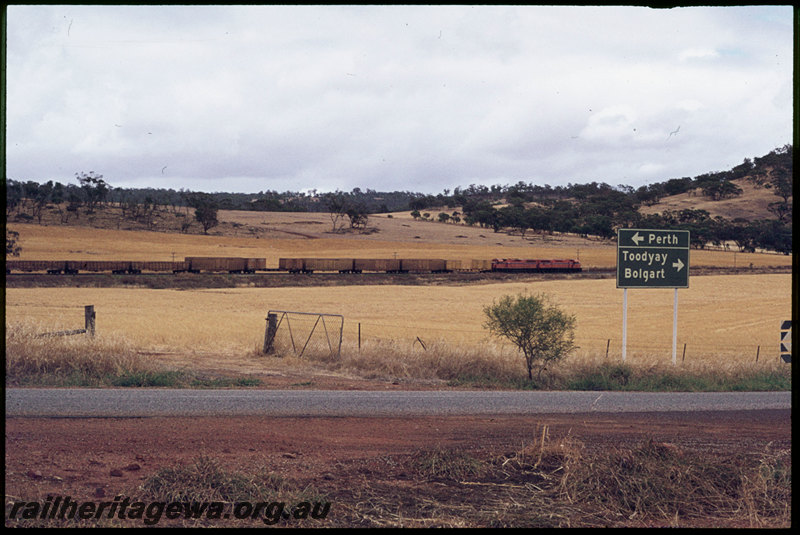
pixel 269 336
pixel 88 318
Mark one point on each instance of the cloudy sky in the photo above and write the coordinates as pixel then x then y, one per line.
pixel 418 98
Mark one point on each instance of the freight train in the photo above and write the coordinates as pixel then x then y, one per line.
pixel 211 264
pixel 191 264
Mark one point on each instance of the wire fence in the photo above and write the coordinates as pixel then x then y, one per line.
pixel 317 336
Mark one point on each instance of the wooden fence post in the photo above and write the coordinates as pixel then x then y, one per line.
pixel 269 336
pixel 88 317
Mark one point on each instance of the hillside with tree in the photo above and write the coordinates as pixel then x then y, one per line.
pixel 749 206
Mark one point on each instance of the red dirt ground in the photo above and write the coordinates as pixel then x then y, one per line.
pixel 99 458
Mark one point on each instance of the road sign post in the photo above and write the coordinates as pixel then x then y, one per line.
pixel 650 258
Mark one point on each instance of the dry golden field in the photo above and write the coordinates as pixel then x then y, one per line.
pixel 722 318
pixel 436 240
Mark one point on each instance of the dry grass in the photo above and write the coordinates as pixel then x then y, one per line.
pixel 722 319
pixel 438 361
pixel 30 354
pixel 560 482
pixel 206 480
pixel 210 494
pixel 662 485
pixel 492 365
pixel 752 204
pixel 417 240
pixel 35 356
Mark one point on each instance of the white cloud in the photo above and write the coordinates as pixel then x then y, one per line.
pixel 698 53
pixel 689 105
pixel 392 97
pixel 651 169
pixel 611 125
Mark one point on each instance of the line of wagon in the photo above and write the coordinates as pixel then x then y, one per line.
pixel 405 265
pixel 208 264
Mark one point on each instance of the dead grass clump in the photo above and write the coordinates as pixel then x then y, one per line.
pixel 433 360
pixel 490 365
pixel 32 358
pixel 241 492
pixel 443 463
pixel 205 480
pixel 543 454
pixel 660 484
pixel 560 483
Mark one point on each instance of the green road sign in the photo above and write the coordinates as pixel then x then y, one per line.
pixel 652 258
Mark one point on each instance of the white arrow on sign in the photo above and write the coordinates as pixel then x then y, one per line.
pixel 678 265
pixel 636 238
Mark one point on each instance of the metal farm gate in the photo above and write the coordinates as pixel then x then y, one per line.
pixel 301 331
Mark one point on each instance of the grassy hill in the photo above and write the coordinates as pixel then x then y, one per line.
pixel 752 204
pixel 752 193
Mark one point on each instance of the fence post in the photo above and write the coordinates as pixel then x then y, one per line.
pixel 88 317
pixel 359 336
pixel 269 336
pixel 608 344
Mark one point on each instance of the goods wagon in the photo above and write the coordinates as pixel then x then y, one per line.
pixel 196 264
pixel 35 265
pixel 292 265
pixel 468 265
pixel 64 266
pixel 114 266
pixel 160 266
pixel 191 264
pixel 125 266
pixel 380 265
pixel 176 266
pixel 456 265
pixel 22 265
pixel 256 264
pixel 435 265
pixel 67 266
pixel 536 266
pixel 342 265
pixel 480 265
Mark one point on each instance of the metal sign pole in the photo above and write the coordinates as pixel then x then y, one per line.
pixel 652 258
pixel 675 329
pixel 624 322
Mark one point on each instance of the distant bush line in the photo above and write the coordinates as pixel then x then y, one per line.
pixel 593 209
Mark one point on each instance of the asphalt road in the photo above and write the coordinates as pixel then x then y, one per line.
pixel 142 402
